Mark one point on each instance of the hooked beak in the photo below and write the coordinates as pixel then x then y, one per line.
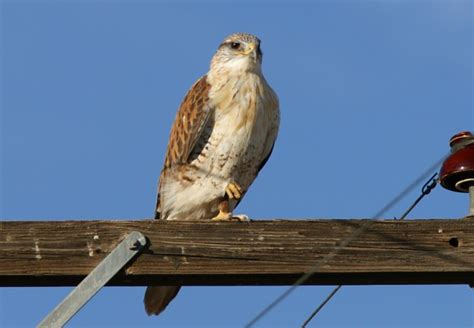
pixel 250 48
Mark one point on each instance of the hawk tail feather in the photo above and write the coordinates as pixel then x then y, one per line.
pixel 157 298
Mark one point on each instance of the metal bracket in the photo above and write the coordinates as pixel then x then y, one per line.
pixel 95 280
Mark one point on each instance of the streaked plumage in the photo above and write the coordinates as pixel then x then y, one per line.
pixel 222 136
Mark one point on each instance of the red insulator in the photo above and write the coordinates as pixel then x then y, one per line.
pixel 457 172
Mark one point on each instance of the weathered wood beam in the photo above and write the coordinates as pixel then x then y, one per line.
pixel 277 252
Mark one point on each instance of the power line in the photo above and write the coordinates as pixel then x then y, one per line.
pixel 344 243
pixel 321 305
pixel 425 190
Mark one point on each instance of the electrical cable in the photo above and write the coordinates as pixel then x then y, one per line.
pixel 425 190
pixel 343 244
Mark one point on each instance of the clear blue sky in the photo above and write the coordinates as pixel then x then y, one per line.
pixel 370 91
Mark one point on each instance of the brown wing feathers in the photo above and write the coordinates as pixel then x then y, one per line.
pixel 189 123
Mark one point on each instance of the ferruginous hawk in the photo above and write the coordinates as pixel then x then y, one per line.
pixel 222 136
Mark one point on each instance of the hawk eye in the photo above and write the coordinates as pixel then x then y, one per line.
pixel 235 45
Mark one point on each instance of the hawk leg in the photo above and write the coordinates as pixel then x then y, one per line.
pixel 224 213
pixel 233 191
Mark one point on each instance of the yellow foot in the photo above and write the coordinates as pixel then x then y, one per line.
pixel 222 216
pixel 233 190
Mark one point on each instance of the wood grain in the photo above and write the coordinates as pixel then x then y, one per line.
pixel 276 252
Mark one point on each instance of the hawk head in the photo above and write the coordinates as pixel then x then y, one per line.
pixel 239 52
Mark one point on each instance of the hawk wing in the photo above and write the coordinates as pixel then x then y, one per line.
pixel 192 116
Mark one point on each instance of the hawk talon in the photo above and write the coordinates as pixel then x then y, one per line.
pixel 241 218
pixel 233 191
